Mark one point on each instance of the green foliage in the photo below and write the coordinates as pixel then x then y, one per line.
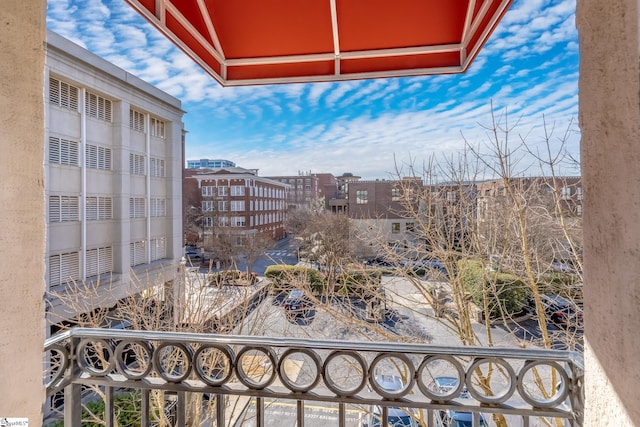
pixel 358 283
pixel 282 277
pixel 506 293
pixel 127 409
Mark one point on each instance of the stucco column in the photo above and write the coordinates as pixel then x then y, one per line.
pixel 610 122
pixel 22 210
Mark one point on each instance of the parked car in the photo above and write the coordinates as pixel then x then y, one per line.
pixel 396 416
pixel 450 417
pixel 297 303
pixel 192 255
pixel 560 310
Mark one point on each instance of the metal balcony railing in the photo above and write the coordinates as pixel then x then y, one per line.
pixel 241 378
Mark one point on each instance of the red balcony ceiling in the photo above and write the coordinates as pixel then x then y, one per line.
pixel 243 42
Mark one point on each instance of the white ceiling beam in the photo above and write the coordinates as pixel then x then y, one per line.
pixel 487 30
pixel 467 20
pixel 362 54
pixel 336 35
pixel 350 76
pixel 204 11
pixel 194 33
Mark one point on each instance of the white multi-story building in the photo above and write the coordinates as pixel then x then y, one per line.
pixel 113 167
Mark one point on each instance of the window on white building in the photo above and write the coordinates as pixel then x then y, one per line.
pixel 136 164
pixel 158 207
pixel 158 248
pixel 137 253
pixel 395 227
pixel 136 120
pixel 63 151
pixel 64 268
pixel 157 128
pixel 99 208
pixel 157 167
pixel 99 261
pixel 63 94
pixel 98 157
pixel 63 208
pixel 98 107
pixel 136 207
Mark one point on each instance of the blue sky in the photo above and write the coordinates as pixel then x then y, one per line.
pixel 529 67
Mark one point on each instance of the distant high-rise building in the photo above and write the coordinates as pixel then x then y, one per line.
pixel 210 164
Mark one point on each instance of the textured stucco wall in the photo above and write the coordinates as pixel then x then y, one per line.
pixel 22 224
pixel 610 123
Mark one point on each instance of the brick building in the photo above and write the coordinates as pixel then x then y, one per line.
pixel 304 188
pixel 237 202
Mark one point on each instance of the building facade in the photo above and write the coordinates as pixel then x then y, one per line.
pixel 113 166
pixel 303 188
pixel 237 201
pixel 377 209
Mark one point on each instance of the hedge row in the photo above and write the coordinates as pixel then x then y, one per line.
pixel 506 292
pixel 283 277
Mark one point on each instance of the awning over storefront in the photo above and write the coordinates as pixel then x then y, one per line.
pixel 243 42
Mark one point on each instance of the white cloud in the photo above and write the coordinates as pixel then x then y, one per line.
pixel 529 65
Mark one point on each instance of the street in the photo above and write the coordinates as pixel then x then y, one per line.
pixel 284 251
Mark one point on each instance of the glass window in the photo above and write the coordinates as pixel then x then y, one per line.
pixel 362 197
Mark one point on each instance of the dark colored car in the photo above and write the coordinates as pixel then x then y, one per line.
pixel 381 262
pixel 450 417
pixel 297 303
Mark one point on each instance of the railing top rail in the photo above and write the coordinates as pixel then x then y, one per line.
pixel 400 347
